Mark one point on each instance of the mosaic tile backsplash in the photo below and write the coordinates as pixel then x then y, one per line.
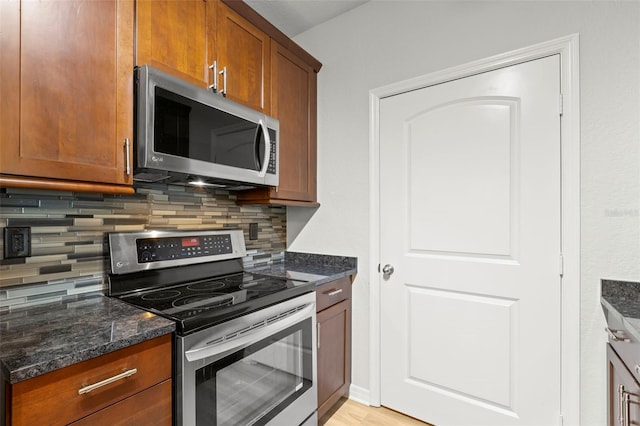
pixel 69 254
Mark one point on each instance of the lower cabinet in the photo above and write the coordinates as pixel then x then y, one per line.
pixel 149 407
pixel 333 304
pixel 131 386
pixel 624 392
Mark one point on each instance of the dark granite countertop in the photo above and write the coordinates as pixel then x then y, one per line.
pixel 43 338
pixel 622 299
pixel 316 268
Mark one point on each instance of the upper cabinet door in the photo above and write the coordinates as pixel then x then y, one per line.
pixel 66 89
pixel 243 60
pixel 294 104
pixel 293 97
pixel 177 36
pixel 187 37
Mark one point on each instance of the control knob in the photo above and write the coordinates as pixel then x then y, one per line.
pixel 145 256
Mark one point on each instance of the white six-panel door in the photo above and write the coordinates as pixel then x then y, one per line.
pixel 470 221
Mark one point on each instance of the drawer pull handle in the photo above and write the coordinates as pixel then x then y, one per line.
pixel 89 388
pixel 614 337
pixel 334 292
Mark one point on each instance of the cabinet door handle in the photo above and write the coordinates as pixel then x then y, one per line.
pixel 214 68
pixel 624 406
pixel 333 292
pixel 89 388
pixel 318 335
pixel 621 420
pixel 614 337
pixel 224 81
pixel 627 412
pixel 127 156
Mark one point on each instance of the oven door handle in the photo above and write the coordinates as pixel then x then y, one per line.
pixel 211 348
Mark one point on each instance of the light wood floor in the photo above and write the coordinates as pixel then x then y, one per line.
pixel 349 413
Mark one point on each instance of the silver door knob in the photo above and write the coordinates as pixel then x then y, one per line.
pixel 387 270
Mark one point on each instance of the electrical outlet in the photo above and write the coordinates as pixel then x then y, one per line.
pixel 17 242
pixel 253 231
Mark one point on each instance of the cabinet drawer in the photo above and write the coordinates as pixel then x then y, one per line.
pixel 151 407
pixel 53 398
pixel 333 292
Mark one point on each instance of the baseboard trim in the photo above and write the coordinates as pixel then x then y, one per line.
pixel 359 394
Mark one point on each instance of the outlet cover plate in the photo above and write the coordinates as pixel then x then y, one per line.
pixel 253 231
pixel 17 242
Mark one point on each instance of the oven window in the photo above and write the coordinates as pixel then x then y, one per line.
pixel 253 385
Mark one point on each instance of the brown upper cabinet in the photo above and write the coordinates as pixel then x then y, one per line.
pixel 208 44
pixel 227 47
pixel 243 60
pixel 177 37
pixel 293 97
pixel 66 94
pixel 66 87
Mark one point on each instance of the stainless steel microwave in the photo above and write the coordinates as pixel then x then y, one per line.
pixel 186 134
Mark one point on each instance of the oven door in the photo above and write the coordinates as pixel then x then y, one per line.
pixel 258 369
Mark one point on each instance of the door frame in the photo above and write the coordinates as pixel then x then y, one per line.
pixel 567 47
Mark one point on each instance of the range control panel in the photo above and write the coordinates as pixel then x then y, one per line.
pixel 184 247
pixel 159 249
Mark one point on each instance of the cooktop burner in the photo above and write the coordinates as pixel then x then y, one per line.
pixel 209 300
pixel 206 286
pixel 238 279
pixel 161 295
pixel 264 285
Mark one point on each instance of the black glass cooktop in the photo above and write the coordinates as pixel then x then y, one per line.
pixel 202 303
pixel 195 278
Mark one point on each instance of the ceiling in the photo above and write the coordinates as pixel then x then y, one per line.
pixel 293 17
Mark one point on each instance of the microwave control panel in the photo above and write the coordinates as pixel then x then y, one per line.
pixel 170 248
pixel 271 168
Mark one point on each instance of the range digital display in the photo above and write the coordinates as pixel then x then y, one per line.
pixel 190 242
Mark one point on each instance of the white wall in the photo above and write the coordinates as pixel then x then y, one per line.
pixel 383 42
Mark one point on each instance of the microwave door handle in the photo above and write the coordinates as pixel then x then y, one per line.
pixel 267 148
pixel 256 148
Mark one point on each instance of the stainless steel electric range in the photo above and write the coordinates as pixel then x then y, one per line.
pixel 245 350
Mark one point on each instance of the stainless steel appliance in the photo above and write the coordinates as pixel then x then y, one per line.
pixel 245 350
pixel 186 134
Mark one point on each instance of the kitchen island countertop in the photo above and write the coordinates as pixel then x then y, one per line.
pixel 622 299
pixel 40 339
